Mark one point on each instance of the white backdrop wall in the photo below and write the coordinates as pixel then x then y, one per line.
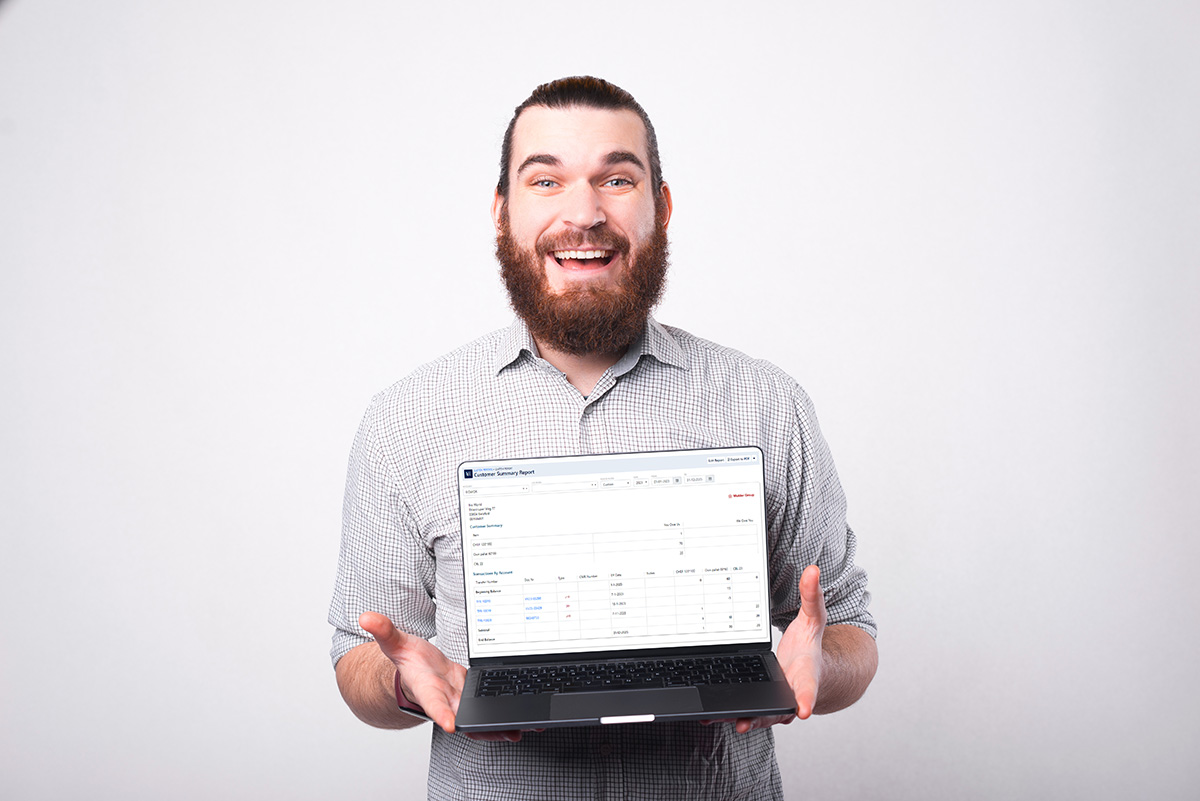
pixel 970 230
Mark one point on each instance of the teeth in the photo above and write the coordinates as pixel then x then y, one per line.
pixel 579 255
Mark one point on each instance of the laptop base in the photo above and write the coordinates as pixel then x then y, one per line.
pixel 605 707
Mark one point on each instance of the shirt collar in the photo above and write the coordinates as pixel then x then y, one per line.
pixel 513 340
pixel 655 341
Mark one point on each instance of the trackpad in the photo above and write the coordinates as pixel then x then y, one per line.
pixel 620 703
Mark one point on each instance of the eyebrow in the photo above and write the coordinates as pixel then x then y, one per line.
pixel 539 158
pixel 613 158
pixel 623 157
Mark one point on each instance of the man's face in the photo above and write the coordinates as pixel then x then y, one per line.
pixel 580 238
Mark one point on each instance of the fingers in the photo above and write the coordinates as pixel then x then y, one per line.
pixel 437 697
pixel 745 725
pixel 437 691
pixel 496 736
pixel 805 688
pixel 438 709
pixel 513 736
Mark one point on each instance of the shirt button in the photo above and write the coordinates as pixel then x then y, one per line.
pixel 605 749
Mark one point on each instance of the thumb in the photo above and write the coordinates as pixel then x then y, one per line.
pixel 389 638
pixel 812 600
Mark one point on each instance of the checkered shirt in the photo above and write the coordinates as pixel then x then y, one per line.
pixel 495 398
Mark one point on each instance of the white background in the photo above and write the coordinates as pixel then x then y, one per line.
pixel 969 229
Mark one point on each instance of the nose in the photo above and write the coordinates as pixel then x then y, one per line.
pixel 583 207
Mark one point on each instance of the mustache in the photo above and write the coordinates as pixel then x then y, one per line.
pixel 595 239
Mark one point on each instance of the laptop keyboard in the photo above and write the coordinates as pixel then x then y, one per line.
pixel 632 675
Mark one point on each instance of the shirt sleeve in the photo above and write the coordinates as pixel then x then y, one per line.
pixel 383 566
pixel 813 530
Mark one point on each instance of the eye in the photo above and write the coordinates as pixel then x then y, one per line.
pixel 618 182
pixel 544 183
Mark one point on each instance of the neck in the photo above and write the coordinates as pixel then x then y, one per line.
pixel 582 371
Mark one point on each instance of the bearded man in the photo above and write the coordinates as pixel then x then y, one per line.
pixel 581 213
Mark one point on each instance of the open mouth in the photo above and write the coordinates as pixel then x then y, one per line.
pixel 583 259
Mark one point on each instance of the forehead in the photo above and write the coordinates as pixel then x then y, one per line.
pixel 577 135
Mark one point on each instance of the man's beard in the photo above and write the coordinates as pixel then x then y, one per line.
pixel 583 318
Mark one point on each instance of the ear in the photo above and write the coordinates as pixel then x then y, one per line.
pixel 497 207
pixel 665 212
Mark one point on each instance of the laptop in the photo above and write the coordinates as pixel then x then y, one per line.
pixel 617 588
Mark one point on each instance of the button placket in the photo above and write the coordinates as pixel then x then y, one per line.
pixel 585 429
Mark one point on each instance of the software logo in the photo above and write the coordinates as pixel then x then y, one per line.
pixel 467 473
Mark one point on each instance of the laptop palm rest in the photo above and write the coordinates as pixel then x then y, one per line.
pixel 623 703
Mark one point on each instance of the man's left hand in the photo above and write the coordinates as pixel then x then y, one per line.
pixel 800 653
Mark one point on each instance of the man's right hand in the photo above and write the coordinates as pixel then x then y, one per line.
pixel 427 678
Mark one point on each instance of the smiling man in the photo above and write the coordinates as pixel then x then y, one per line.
pixel 580 196
pixel 581 214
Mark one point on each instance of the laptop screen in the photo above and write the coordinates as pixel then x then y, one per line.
pixel 614 552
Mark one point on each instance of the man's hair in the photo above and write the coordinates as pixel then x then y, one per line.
pixel 587 92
